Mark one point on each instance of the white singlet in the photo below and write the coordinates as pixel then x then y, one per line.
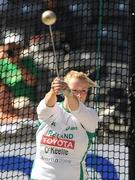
pixel 62 142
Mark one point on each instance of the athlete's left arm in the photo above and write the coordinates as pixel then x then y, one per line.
pixel 87 117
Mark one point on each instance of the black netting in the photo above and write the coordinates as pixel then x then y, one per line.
pixel 92 36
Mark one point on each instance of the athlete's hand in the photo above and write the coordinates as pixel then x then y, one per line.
pixel 58 86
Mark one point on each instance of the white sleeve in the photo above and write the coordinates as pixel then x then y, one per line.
pixel 87 117
pixel 44 112
pixel 47 114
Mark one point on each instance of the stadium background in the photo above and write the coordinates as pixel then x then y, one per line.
pixel 92 36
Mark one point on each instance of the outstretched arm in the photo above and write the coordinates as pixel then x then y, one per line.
pixel 86 116
pixel 47 107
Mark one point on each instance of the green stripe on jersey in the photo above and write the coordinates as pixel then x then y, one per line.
pixel 90 138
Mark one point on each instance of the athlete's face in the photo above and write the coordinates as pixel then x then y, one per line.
pixel 79 88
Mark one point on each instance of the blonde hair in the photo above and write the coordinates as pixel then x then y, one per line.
pixel 79 75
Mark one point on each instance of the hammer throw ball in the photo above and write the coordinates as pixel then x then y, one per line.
pixel 48 17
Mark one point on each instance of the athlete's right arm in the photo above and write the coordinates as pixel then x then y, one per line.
pixel 46 107
pixel 50 98
pixel 44 112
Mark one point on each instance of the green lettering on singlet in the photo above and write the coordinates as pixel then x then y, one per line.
pixel 51 132
pixel 55 134
pixel 68 136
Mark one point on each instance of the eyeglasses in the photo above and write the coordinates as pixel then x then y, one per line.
pixel 76 91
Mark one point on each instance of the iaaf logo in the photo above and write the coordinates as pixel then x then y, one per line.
pixel 58 142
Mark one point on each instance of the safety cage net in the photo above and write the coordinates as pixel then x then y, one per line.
pixel 93 36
